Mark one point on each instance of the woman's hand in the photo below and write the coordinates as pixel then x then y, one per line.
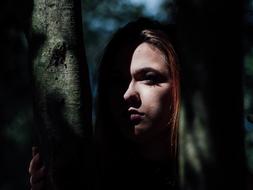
pixel 37 171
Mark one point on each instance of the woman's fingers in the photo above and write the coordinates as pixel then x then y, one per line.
pixel 34 164
pixel 38 176
pixel 36 171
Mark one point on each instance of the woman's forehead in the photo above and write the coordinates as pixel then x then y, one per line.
pixel 143 56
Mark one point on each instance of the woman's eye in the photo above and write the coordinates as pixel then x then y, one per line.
pixel 152 78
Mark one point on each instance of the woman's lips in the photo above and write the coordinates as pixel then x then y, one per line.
pixel 135 116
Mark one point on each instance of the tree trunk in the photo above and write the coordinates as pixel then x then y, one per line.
pixel 211 136
pixel 62 92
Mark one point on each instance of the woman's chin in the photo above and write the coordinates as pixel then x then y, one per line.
pixel 140 132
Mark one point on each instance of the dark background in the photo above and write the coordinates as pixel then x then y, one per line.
pixel 100 19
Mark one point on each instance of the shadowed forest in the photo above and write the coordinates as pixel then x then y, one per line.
pixel 216 134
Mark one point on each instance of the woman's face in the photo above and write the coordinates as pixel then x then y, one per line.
pixel 147 94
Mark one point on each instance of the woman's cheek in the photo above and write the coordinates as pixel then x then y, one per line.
pixel 161 103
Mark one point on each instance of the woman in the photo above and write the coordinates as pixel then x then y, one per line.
pixel 138 102
pixel 137 110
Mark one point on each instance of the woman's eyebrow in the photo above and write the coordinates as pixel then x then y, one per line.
pixel 145 70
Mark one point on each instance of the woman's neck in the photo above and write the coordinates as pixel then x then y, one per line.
pixel 156 149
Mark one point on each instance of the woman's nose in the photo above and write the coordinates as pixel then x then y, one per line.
pixel 132 96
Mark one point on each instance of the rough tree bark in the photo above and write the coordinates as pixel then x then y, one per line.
pixel 61 92
pixel 212 144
